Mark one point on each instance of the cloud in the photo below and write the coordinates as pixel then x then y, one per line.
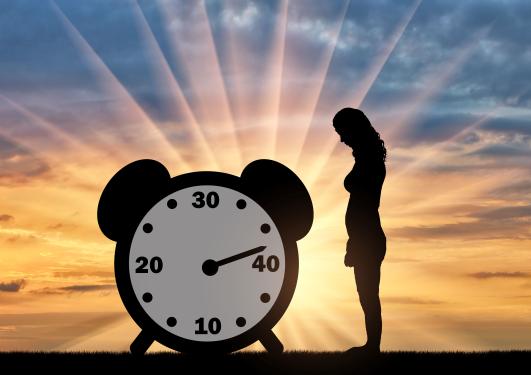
pixel 503 151
pixel 13 286
pixel 502 213
pixel 54 331
pixel 18 164
pixel 67 274
pixel 430 127
pixel 517 189
pixel 477 230
pixel 515 125
pixel 500 275
pixel 487 223
pixel 410 301
pixel 87 288
pixel 503 144
pixel 471 138
pixel 434 36
pixel 7 329
pixel 393 259
pixel 75 289
pixel 244 18
pixel 5 217
pixel 22 239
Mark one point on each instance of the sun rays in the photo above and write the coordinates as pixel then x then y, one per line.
pixel 230 99
pixel 290 136
pixel 213 118
pixel 145 127
pixel 180 103
pixel 217 134
pixel 213 110
pixel 365 85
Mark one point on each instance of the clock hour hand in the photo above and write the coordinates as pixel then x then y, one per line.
pixel 210 267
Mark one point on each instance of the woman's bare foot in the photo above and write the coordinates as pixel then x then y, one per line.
pixel 363 350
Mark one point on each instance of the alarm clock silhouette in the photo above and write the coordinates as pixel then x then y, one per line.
pixel 205 261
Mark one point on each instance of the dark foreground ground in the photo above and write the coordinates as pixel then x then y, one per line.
pixel 450 363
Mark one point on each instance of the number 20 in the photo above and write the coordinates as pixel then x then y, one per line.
pixel 155 265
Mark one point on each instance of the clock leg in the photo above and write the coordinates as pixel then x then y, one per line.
pixel 141 344
pixel 271 343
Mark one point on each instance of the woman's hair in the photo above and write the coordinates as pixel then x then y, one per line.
pixel 354 121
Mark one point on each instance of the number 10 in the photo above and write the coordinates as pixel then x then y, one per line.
pixel 214 326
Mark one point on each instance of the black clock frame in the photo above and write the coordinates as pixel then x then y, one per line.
pixel 152 331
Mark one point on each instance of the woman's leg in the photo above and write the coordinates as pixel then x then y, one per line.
pixel 367 283
pixel 373 320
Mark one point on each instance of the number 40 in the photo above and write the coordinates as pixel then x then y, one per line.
pixel 272 263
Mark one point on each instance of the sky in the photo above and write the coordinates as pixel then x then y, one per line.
pixel 88 87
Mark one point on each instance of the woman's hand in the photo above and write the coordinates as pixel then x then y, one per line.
pixel 349 259
pixel 349 262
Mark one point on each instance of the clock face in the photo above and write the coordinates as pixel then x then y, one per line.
pixel 206 263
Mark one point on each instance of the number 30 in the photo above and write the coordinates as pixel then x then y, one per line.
pixel 212 199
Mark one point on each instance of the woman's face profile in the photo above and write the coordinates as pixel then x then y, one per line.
pixel 346 136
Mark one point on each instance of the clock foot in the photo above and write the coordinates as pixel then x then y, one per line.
pixel 141 344
pixel 271 343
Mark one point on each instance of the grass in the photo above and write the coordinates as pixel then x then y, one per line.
pixel 449 363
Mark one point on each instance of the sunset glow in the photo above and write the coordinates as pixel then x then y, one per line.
pixel 214 85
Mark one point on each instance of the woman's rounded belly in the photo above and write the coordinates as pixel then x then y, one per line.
pixel 364 224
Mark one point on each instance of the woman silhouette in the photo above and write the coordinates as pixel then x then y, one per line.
pixel 366 245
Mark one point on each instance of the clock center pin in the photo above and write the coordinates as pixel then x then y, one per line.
pixel 210 267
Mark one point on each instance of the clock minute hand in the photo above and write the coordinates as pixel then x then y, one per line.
pixel 210 267
pixel 241 255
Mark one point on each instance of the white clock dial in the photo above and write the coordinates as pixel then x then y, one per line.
pixel 207 263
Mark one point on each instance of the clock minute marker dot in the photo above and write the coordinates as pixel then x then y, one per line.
pixel 265 228
pixel 241 204
pixel 265 297
pixel 240 322
pixel 147 297
pixel 171 321
pixel 148 228
pixel 172 203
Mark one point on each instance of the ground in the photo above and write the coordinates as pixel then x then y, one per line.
pixel 452 363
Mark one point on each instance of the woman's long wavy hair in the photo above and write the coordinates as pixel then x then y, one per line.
pixel 355 122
